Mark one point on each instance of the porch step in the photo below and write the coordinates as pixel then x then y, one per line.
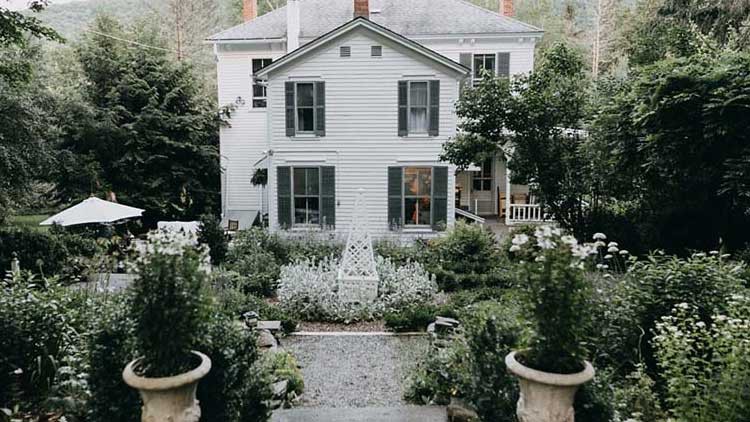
pixel 364 414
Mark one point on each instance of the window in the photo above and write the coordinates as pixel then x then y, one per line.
pixel 418 107
pixel 306 194
pixel 260 99
pixel 345 51
pixel 482 63
pixel 418 196
pixel 305 105
pixel 483 179
pixel 376 51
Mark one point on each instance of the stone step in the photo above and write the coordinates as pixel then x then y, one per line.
pixel 363 414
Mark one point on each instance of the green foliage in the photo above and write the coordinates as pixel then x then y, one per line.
pixel 468 256
pixel 282 366
pixel 212 235
pixel 35 326
pixel 412 318
pixel 149 135
pixel 676 133
pixel 15 28
pixel 706 365
pixel 235 302
pixel 110 347
pixel 236 389
pixel 558 297
pixel 259 256
pixel 169 297
pixel 472 364
pixel 635 398
pixel 48 253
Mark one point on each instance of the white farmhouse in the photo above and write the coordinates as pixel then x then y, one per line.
pixel 334 96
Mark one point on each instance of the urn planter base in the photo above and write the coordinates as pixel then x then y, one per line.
pixel 545 396
pixel 169 399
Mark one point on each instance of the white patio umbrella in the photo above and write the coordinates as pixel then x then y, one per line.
pixel 93 211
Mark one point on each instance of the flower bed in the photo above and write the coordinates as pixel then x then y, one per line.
pixel 310 290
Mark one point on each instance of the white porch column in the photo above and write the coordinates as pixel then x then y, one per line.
pixel 507 193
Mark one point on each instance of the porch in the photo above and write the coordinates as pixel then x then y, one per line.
pixel 486 191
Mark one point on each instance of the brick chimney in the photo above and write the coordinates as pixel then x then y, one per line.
pixel 249 10
pixel 506 7
pixel 362 8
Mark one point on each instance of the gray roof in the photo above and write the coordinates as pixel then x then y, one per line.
pixel 406 17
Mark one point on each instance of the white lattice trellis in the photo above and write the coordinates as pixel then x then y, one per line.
pixel 358 277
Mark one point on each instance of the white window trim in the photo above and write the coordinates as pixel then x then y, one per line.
pixel 417 227
pixel 305 226
pixel 426 133
pixel 305 133
pixel 252 88
pixel 475 80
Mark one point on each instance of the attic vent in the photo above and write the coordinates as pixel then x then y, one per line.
pixel 345 51
pixel 376 51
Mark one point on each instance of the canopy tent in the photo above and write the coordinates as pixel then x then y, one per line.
pixel 93 211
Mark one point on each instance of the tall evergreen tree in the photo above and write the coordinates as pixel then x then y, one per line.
pixel 149 137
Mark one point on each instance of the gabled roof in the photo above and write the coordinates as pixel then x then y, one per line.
pixel 361 22
pixel 406 17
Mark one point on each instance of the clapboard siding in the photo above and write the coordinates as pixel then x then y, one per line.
pixel 362 122
pixel 361 125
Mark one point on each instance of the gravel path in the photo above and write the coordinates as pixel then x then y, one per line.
pixel 355 371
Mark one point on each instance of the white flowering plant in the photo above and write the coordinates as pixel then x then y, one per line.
pixel 558 292
pixel 706 364
pixel 310 290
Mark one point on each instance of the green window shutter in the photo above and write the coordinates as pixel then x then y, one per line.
pixel 395 198
pixel 434 129
pixel 465 59
pixel 403 112
pixel 328 196
pixel 320 108
pixel 439 198
pixel 284 195
pixel 289 95
pixel 503 65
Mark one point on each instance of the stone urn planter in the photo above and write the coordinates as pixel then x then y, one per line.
pixel 170 398
pixel 546 396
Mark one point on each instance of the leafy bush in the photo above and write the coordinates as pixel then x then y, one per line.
pixel 43 252
pixel 401 254
pixel 468 256
pixel 706 364
pixel 169 304
pixel 36 328
pixel 111 346
pixel 236 388
pixel 282 366
pixel 212 234
pixel 234 303
pixel 255 273
pixel 412 318
pixel 311 290
pixel 472 365
pixel 559 296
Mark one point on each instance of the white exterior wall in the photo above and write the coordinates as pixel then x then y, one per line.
pixel 361 123
pixel 247 139
pixel 244 141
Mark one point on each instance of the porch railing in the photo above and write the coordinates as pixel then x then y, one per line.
pixel 526 213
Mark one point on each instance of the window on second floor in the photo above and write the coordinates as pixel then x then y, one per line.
pixel 483 63
pixel 260 96
pixel 418 108
pixel 305 108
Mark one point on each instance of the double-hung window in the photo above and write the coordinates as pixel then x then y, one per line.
pixel 306 193
pixel 419 108
pixel 260 96
pixel 483 63
pixel 305 108
pixel 418 196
